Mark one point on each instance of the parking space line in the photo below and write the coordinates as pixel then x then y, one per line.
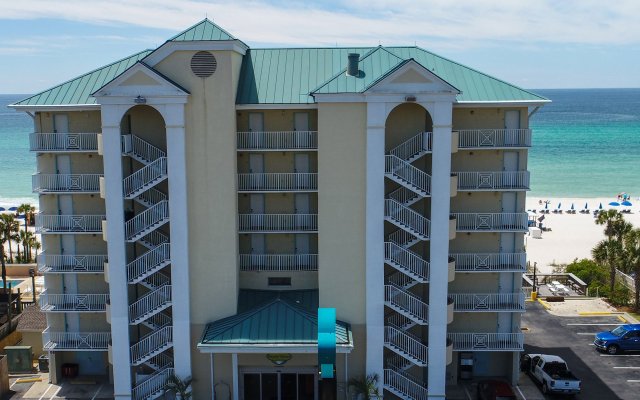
pixel 585 324
pixel 45 392
pixel 467 393
pixel 633 380
pixel 586 333
pixel 626 367
pixel 56 392
pixel 520 391
pixel 621 318
pixel 100 388
pixel 619 355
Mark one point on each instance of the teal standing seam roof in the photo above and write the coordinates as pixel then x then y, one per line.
pixel 275 322
pixel 203 30
pixel 79 90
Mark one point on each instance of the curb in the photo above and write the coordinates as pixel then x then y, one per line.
pixel 594 313
pixel 544 304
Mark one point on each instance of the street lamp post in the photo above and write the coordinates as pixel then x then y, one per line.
pixel 32 274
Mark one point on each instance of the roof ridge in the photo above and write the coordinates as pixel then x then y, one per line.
pixel 149 51
pixel 205 20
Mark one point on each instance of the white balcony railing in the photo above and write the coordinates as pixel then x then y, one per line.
pixel 491 181
pixel 69 223
pixel 405 217
pixel 488 302
pixel 77 263
pixel 73 302
pixel 487 341
pixel 278 262
pixel 56 341
pixel 418 144
pixel 493 138
pixel 152 385
pixel 492 222
pixel 151 344
pixel 283 140
pixel 278 222
pixel 63 142
pixel 62 183
pixel 403 386
pixel 490 262
pixel 277 182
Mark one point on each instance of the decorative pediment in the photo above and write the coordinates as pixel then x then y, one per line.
pixel 141 80
pixel 412 77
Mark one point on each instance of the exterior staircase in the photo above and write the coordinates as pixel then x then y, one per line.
pixel 407 310
pixel 151 308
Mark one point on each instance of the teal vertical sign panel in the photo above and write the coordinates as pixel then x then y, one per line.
pixel 326 341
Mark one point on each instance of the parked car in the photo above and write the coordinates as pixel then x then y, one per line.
pixel 551 372
pixel 623 338
pixel 495 390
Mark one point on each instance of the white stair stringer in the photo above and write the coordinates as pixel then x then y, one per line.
pixel 147 221
pixel 406 219
pixel 153 239
pixel 405 346
pixel 150 198
pixel 157 321
pixel 407 175
pixel 151 345
pixel 407 262
pixel 404 196
pixel 145 178
pixel 141 150
pixel 150 304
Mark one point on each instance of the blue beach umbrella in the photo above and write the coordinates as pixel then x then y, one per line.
pixel 559 205
pixel 586 206
pixel 13 208
pixel 3 209
pixel 614 203
pixel 572 206
pixel 546 205
pixel 626 203
pixel 600 208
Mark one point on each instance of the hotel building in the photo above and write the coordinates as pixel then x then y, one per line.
pixel 200 201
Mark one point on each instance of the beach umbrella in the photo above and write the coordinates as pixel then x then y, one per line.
pixel 572 206
pixel 546 205
pixel 614 203
pixel 559 205
pixel 600 208
pixel 626 203
pixel 586 206
pixel 13 208
pixel 3 209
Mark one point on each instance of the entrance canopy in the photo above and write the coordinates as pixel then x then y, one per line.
pixel 272 322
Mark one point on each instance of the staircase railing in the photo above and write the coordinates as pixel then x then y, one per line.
pixel 406 301
pixel 404 196
pixel 141 265
pixel 405 386
pixel 150 302
pixel 400 340
pixel 144 176
pixel 151 197
pixel 155 383
pixel 395 166
pixel 151 343
pixel 147 219
pixel 407 259
pixel 406 217
pixel 414 146
pixel 134 145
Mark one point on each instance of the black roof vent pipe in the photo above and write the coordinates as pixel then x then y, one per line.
pixel 352 64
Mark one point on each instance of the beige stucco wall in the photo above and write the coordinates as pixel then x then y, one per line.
pixel 79 121
pixel 341 210
pixel 284 243
pixel 276 120
pixel 300 280
pixel 405 121
pixel 82 163
pixel 485 118
pixel 275 161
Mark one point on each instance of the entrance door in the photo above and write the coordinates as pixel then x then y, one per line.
pixel 60 123
pixel 301 122
pixel 256 122
pixel 256 201
pixel 302 203
pixel 279 385
pixel 511 121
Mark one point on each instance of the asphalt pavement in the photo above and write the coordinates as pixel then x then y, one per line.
pixel 603 377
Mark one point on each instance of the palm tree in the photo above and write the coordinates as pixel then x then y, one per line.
pixel 632 246
pixel 179 387
pixel 611 251
pixel 9 227
pixel 36 246
pixel 3 240
pixel 608 218
pixel 28 210
pixel 366 387
pixel 26 239
pixel 607 252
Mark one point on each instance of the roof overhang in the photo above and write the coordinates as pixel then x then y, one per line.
pixel 288 106
pixel 311 348
pixel 170 47
pixel 505 103
pixel 55 108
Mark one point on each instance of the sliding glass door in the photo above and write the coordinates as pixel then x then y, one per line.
pixel 294 384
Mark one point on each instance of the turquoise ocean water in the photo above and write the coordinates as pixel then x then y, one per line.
pixel 586 143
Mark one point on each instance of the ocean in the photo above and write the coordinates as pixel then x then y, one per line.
pixel 586 143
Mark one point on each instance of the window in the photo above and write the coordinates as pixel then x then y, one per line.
pixel 280 281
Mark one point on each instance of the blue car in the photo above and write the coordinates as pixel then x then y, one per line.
pixel 623 338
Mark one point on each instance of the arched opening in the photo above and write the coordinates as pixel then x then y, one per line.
pixel 146 123
pixel 404 122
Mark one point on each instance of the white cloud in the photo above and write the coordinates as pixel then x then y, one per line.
pixel 363 22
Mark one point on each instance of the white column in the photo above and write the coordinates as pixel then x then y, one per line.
pixel 112 159
pixel 178 212
pixel 439 247
pixel 374 241
pixel 213 381
pixel 234 371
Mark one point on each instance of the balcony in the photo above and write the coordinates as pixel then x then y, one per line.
pixel 491 222
pixel 487 341
pixel 278 262
pixel 73 302
pixel 74 341
pixel 488 302
pixel 490 262
pixel 494 138
pixel 55 224
pixel 75 264
pixel 63 142
pixel 278 182
pixel 66 183
pixel 493 181
pixel 278 141
pixel 278 223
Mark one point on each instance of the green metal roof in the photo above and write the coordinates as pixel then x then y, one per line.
pixel 79 90
pixel 249 299
pixel 278 321
pixel 203 30
pixel 286 76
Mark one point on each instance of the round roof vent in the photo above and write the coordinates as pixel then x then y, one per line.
pixel 203 64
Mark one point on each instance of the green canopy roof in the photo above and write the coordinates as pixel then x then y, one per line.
pixel 279 321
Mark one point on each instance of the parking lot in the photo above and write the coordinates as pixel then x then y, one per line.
pixel 603 376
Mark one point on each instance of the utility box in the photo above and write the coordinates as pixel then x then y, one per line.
pixel 19 358
pixel 466 366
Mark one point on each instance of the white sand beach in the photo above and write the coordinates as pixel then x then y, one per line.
pixel 572 235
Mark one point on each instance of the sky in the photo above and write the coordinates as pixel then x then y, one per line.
pixel 530 43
